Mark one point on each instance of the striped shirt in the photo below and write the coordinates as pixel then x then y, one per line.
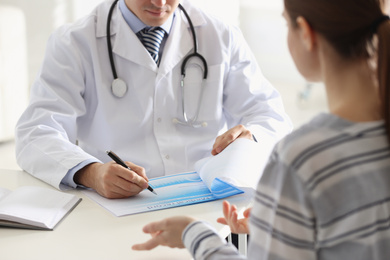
pixel 325 194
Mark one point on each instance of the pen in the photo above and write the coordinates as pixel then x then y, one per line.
pixel 119 161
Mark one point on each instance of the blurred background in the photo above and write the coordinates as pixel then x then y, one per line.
pixel 26 25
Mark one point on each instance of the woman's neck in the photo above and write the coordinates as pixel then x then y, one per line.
pixel 351 90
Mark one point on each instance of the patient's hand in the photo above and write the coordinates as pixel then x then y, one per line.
pixel 166 232
pixel 237 226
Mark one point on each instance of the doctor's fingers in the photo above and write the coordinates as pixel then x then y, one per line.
pixel 222 141
pixel 128 178
pixel 115 170
pixel 118 182
pixel 117 187
pixel 137 169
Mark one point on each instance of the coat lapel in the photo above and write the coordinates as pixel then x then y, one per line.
pixel 178 45
pixel 125 42
pixel 127 45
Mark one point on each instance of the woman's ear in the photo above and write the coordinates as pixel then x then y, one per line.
pixel 307 34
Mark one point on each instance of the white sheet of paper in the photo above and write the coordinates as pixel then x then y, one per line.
pixel 216 177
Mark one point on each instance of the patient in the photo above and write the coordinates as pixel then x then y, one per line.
pixel 325 193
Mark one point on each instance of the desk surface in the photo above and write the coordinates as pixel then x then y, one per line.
pixel 91 232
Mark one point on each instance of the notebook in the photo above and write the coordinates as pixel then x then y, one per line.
pixel 33 207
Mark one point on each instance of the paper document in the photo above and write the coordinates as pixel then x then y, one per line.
pixel 216 177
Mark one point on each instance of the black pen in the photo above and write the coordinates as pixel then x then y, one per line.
pixel 119 161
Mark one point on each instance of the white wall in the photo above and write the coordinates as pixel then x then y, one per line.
pixel 24 29
pixel 13 69
pixel 265 30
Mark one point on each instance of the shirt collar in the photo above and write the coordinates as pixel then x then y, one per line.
pixel 136 24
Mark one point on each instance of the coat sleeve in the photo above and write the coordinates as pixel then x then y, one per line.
pixel 249 98
pixel 46 132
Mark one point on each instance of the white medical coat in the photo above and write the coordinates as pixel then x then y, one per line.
pixel 72 102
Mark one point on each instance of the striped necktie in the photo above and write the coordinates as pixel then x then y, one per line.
pixel 152 39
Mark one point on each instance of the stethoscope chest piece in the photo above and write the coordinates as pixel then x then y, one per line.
pixel 118 87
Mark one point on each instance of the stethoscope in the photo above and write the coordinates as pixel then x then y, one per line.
pixel 119 87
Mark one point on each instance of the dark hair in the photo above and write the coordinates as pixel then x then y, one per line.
pixel 350 26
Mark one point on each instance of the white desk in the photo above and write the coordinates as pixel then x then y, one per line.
pixel 91 232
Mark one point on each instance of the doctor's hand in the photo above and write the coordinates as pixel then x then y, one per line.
pixel 230 136
pixel 166 232
pixel 237 226
pixel 111 180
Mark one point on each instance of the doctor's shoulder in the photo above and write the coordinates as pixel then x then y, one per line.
pixel 206 20
pixel 222 29
pixel 84 26
pixel 74 35
pixel 215 29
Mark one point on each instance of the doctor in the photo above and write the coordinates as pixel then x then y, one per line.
pixel 82 103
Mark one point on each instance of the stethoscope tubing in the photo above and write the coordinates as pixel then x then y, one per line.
pixel 195 53
pixel 119 87
pixel 109 46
